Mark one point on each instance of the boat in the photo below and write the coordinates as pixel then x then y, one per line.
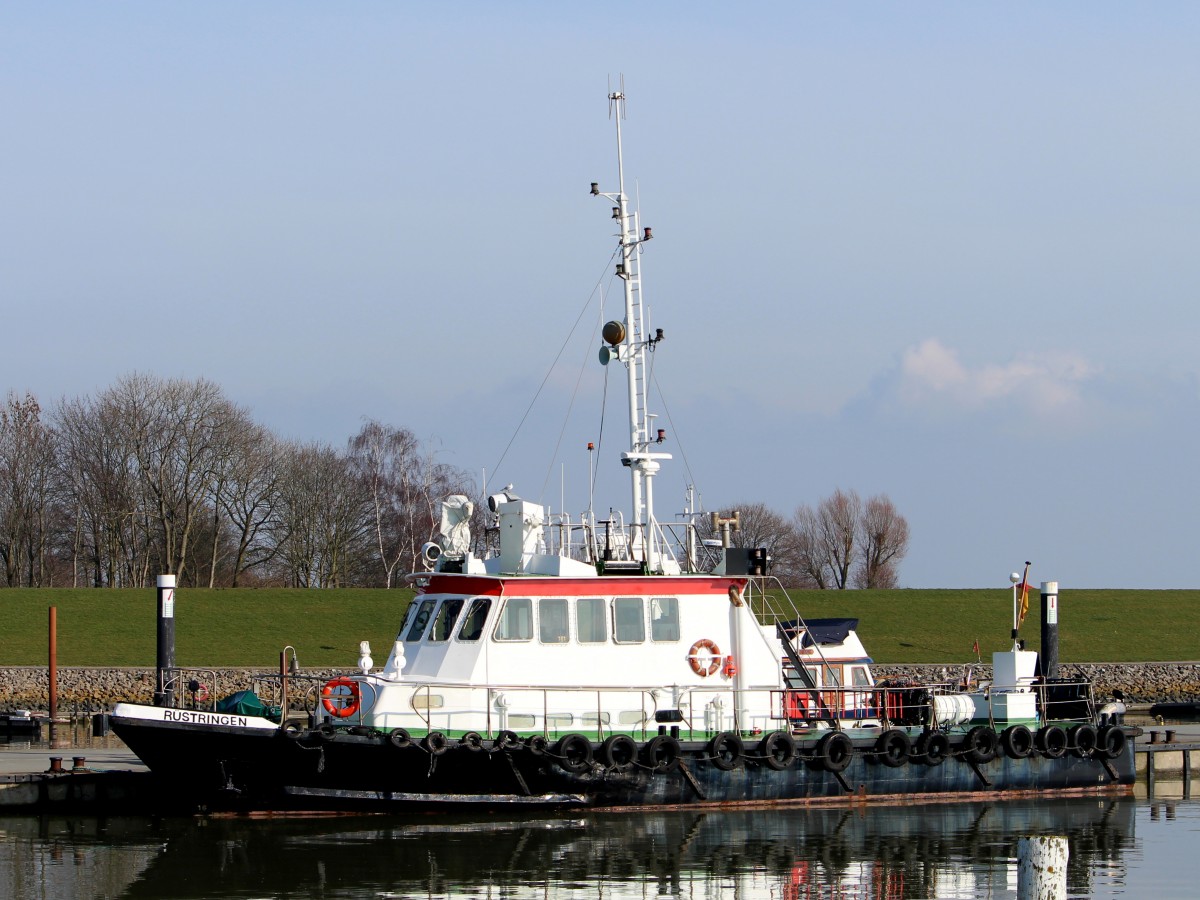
pixel 611 663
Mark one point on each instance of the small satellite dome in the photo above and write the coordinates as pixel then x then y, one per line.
pixel 614 332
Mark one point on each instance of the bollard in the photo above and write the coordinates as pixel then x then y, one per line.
pixel 55 766
pixel 1170 736
pixel 1154 737
pixel 78 764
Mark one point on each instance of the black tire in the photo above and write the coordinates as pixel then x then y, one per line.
pixel 661 755
pixel 834 752
pixel 893 747
pixel 506 740
pixel 293 730
pixel 1111 742
pixel 435 743
pixel 981 744
pixel 537 744
pixel 574 752
pixel 398 737
pixel 726 750
pixel 777 749
pixel 933 747
pixel 472 741
pixel 1082 740
pixel 326 731
pixel 1052 741
pixel 1017 741
pixel 618 752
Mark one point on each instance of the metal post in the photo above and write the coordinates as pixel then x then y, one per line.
pixel 53 664
pixel 164 694
pixel 1049 657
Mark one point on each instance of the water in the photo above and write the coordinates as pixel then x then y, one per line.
pixel 1117 847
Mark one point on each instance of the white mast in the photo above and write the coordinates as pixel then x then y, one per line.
pixel 630 344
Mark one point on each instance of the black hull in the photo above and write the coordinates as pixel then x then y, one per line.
pixel 213 768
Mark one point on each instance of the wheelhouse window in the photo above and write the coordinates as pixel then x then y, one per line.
pixel 516 620
pixel 552 621
pixel 629 620
pixel 419 620
pixel 664 619
pixel 473 621
pixel 591 624
pixel 447 616
pixel 859 676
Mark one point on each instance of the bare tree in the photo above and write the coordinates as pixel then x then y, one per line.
pixel 883 541
pixel 323 526
pixel 247 492
pixel 100 472
pixel 179 431
pixel 406 483
pixel 28 489
pixel 825 539
pixel 809 560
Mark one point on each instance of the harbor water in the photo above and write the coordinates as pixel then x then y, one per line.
pixel 1049 847
pixel 1125 847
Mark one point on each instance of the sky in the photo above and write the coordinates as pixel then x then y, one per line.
pixel 944 252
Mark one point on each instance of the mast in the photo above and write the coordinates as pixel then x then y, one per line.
pixel 631 344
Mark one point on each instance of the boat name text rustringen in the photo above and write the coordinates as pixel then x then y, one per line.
pixel 203 718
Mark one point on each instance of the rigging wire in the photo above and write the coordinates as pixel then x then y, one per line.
pixel 550 371
pixel 674 431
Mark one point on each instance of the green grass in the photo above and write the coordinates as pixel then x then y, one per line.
pixel 935 626
pixel 249 627
pixel 212 628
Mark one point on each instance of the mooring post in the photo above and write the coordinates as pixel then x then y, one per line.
pixel 1049 658
pixel 53 664
pixel 1042 868
pixel 164 694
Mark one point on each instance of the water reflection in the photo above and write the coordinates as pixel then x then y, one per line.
pixel 958 850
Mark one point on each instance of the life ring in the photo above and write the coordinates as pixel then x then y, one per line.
pixel 340 697
pixel 201 693
pixel 709 663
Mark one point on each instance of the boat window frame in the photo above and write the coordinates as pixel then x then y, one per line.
pixel 601 619
pixel 446 603
pixel 470 611
pixel 566 622
pixel 500 620
pixel 641 620
pixel 654 623
pixel 426 603
pixel 862 669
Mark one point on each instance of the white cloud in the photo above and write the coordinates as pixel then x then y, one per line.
pixel 931 374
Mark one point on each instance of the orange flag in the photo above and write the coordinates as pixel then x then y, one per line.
pixel 1024 588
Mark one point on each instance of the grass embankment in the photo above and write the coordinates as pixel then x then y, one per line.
pixel 249 627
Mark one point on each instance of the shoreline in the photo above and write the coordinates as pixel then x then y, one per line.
pixel 83 690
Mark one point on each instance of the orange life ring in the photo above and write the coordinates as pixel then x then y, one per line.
pixel 340 697
pixel 704 666
pixel 201 694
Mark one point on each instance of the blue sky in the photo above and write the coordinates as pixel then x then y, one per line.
pixel 941 251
